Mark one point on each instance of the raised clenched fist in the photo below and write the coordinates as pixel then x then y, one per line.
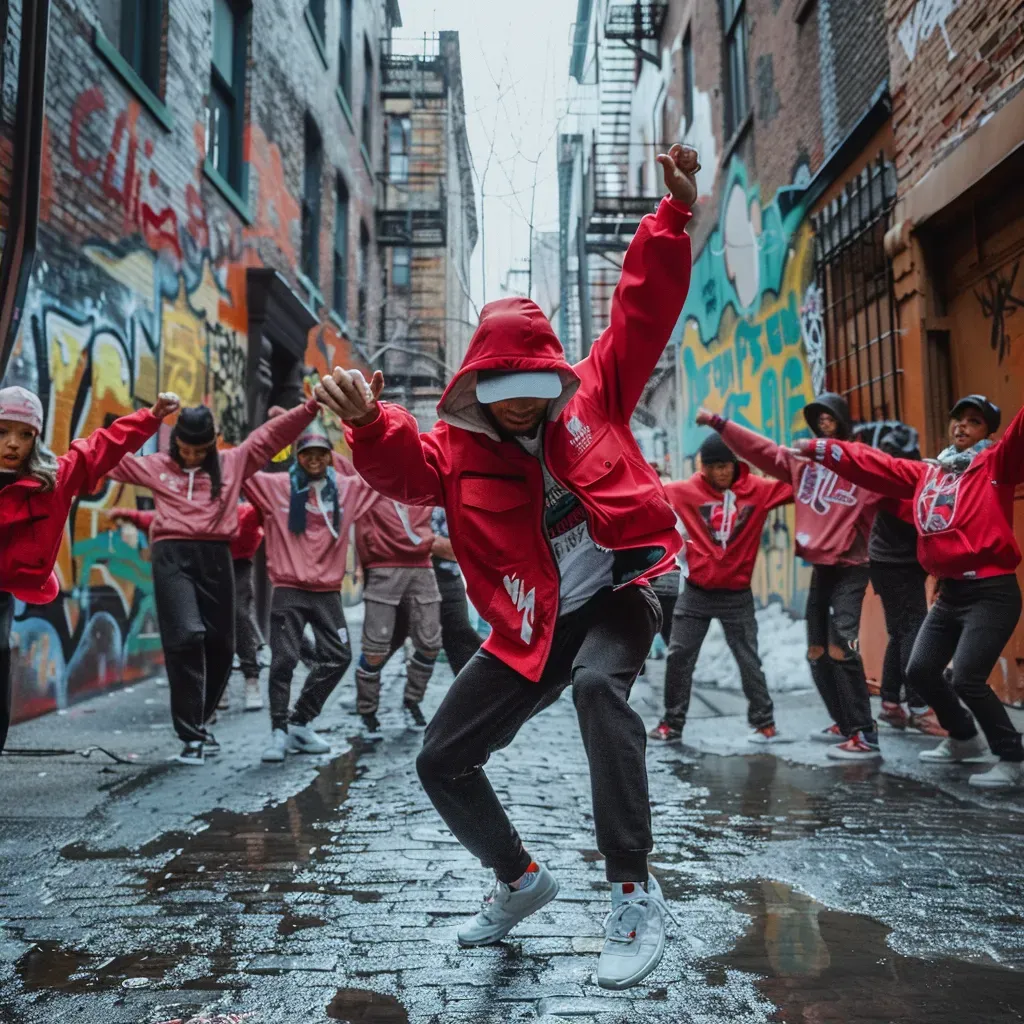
pixel 680 166
pixel 347 394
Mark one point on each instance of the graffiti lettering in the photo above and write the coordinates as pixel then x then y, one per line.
pixel 997 303
pixel 923 20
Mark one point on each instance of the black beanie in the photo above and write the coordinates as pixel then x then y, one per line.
pixel 195 426
pixel 714 449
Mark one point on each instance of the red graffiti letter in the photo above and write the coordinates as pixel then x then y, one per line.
pixel 88 103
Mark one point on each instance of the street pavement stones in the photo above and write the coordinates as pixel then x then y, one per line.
pixel 327 888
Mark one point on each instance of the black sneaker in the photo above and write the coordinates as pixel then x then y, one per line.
pixel 416 714
pixel 371 727
pixel 666 733
pixel 191 753
pixel 211 746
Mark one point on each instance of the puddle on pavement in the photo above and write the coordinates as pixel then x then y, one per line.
pixel 358 1006
pixel 822 966
pixel 52 967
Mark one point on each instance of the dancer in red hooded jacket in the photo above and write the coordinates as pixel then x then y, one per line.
pixel 557 521
pixel 195 488
pixel 723 507
pixel 833 522
pixel 36 492
pixel 963 511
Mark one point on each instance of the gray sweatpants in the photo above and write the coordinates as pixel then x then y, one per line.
pixel 291 609
pixel 694 611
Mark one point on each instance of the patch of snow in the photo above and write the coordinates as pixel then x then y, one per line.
pixel 782 643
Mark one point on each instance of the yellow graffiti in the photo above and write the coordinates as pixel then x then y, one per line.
pixel 183 361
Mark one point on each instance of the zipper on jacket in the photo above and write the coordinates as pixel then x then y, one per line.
pixel 191 481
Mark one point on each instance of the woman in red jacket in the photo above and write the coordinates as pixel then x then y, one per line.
pixel 195 488
pixel 36 492
pixel 963 511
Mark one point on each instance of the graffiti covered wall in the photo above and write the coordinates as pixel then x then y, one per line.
pixel 144 293
pixel 748 337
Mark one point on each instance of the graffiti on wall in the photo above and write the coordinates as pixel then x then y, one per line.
pixel 157 303
pixel 924 19
pixel 998 304
pixel 748 335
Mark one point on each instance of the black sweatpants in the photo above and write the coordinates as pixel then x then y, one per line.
pixel 458 637
pixel 905 603
pixel 6 623
pixel 598 649
pixel 290 610
pixel 833 617
pixel 971 622
pixel 247 634
pixel 694 610
pixel 194 586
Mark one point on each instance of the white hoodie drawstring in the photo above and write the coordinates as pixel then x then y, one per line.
pixel 191 480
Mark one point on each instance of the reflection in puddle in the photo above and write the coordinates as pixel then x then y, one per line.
pixel 820 966
pixel 51 966
pixel 358 1006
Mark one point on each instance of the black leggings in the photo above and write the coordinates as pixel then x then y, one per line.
pixel 971 623
pixel 194 585
pixel 6 621
pixel 905 602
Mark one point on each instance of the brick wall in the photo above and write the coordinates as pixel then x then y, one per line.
pixel 954 63
pixel 140 280
pixel 10 38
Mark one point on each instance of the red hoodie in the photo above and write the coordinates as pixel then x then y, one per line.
pixel 723 528
pixel 314 559
pixel 833 517
pixel 34 520
pixel 392 535
pixel 964 520
pixel 184 510
pixel 246 541
pixel 493 491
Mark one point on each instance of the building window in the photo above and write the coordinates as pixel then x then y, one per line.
pixel 311 201
pixel 367 125
pixel 345 51
pixel 363 279
pixel 401 267
pixel 318 17
pixel 136 28
pixel 399 143
pixel 225 115
pixel 737 103
pixel 340 303
pixel 688 79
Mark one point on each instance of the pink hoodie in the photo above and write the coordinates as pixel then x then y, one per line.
pixel 313 560
pixel 833 517
pixel 392 535
pixel 184 510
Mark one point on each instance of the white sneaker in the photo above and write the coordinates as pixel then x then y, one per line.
pixel 768 736
pixel 505 907
pixel 278 747
pixel 634 936
pixel 1002 775
pixel 303 740
pixel 951 751
pixel 253 697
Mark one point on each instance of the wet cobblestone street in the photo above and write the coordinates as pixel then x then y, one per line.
pixel 329 890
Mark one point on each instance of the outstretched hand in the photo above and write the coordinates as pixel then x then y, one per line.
pixel 347 394
pixel 167 404
pixel 704 417
pixel 680 166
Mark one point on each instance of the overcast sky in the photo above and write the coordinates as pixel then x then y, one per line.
pixel 515 66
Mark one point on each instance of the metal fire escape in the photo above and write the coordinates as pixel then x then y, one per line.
pixel 621 191
pixel 412 215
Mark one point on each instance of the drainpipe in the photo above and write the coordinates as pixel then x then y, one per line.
pixel 20 242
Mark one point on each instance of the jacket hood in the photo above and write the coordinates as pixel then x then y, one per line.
pixel 832 403
pixel 514 335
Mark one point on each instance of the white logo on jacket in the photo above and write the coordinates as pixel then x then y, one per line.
pixel 403 514
pixel 525 602
pixel 936 505
pixel 820 489
pixel 580 435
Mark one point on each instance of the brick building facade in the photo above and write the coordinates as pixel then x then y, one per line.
pixel 206 226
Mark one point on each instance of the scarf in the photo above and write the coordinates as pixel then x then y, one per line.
pixel 952 461
pixel 300 495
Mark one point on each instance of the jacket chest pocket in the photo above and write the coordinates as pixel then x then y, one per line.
pixel 486 496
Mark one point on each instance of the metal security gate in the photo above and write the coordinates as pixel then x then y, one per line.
pixel 854 275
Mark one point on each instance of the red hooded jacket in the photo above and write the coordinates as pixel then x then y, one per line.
pixel 390 534
pixel 964 520
pixel 244 545
pixel 724 537
pixel 493 491
pixel 34 520
pixel 833 518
